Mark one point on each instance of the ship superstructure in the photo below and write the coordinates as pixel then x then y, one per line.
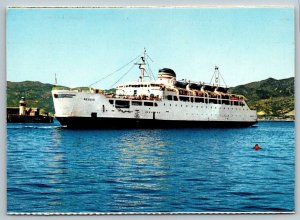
pixel 165 102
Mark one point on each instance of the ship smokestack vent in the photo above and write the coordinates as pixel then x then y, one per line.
pixel 166 72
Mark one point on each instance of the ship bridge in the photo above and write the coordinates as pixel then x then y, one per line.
pixel 148 89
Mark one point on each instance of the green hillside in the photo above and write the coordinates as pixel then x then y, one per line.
pixel 271 98
pixel 37 94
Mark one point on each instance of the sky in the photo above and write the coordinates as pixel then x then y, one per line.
pixel 82 46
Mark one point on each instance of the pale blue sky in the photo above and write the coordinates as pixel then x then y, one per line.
pixel 83 45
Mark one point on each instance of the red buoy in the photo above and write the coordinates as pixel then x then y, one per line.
pixel 256 147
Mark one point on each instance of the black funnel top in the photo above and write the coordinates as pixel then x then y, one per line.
pixel 167 71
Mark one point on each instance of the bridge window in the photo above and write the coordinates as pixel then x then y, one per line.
pixel 122 104
pixel 148 103
pixel 136 103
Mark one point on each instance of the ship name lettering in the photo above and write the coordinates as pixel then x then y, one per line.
pixel 88 99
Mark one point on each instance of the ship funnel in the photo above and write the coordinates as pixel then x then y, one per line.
pixel 166 75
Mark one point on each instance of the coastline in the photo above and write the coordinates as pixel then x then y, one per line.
pixel 276 120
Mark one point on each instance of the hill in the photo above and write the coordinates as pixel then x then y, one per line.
pixel 271 98
pixel 37 94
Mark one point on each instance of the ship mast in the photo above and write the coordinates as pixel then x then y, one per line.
pixel 217 76
pixel 55 81
pixel 142 66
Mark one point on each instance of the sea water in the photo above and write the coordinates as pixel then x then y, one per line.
pixel 54 169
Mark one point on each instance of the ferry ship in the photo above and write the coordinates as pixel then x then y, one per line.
pixel 164 102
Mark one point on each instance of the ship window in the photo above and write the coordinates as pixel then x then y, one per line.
pixel 175 98
pixel 199 100
pixel 192 99
pixel 111 101
pixel 226 102
pixel 155 104
pixel 215 101
pixel 94 114
pixel 148 103
pixel 169 97
pixel 136 103
pixel 122 104
pixel 184 98
pixel 134 92
pixel 170 104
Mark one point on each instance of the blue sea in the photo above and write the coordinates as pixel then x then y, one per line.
pixel 54 169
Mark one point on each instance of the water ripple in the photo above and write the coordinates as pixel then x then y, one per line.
pixel 50 169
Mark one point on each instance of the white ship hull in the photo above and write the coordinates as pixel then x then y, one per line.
pixel 95 110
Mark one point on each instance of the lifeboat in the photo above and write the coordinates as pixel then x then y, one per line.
pixel 181 84
pixel 221 89
pixel 209 88
pixel 195 86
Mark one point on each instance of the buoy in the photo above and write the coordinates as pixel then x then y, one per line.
pixel 256 147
